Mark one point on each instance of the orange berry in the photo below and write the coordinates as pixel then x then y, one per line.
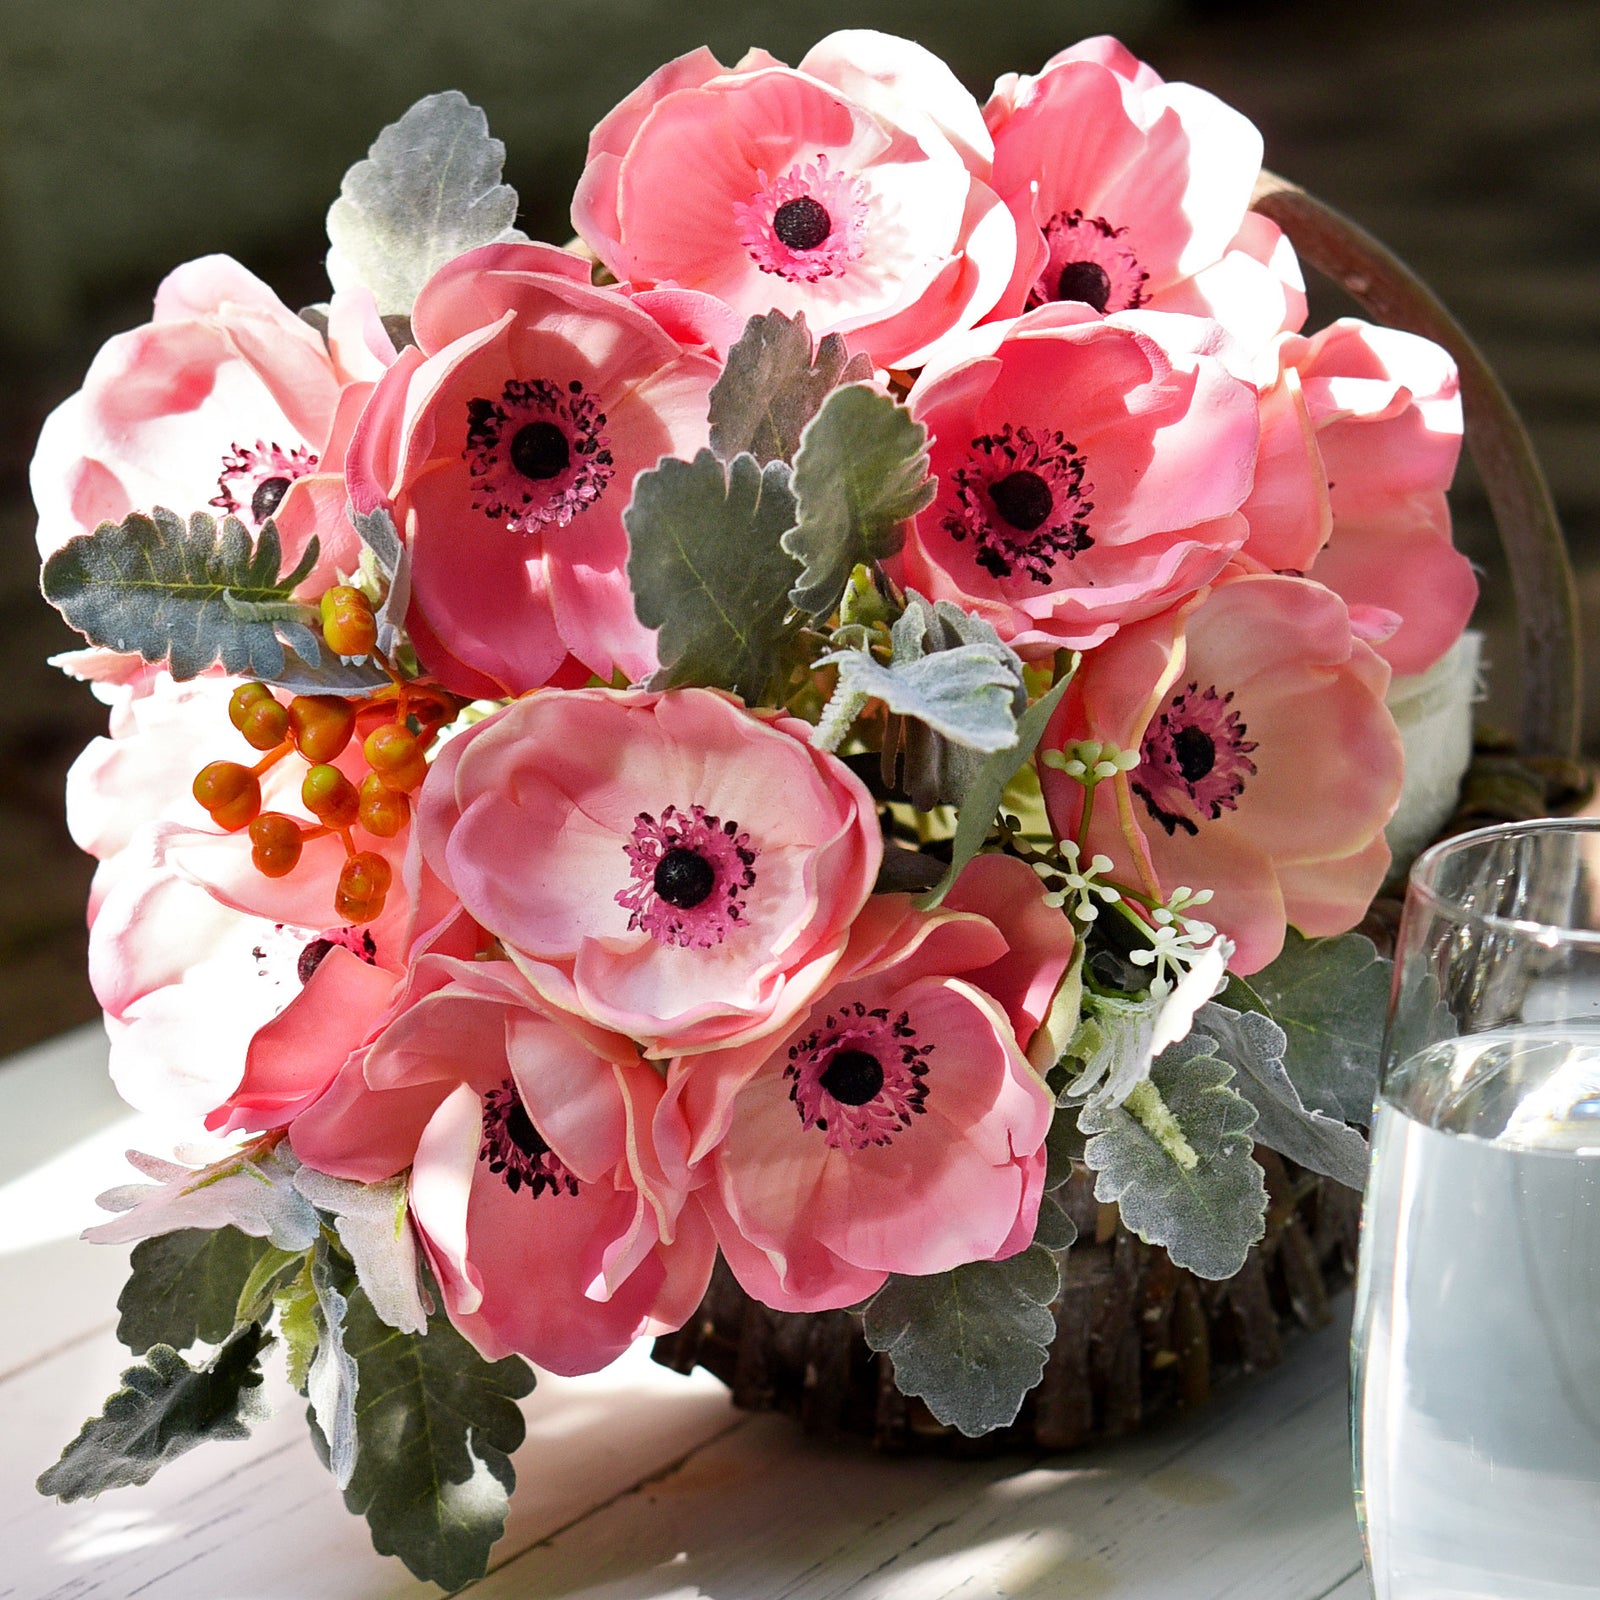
pixel 393 753
pixel 383 811
pixel 330 796
pixel 321 725
pixel 231 793
pixel 275 842
pixel 265 724
pixel 242 698
pixel 347 622
pixel 363 886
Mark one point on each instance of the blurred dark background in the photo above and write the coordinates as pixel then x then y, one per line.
pixel 135 134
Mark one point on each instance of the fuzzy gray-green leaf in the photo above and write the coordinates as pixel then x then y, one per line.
pixel 772 386
pixel 332 1380
pixel 429 190
pixel 1329 996
pixel 1206 1215
pixel 1254 1045
pixel 708 570
pixel 164 1408
pixel 171 592
pixel 971 1342
pixel 185 1287
pixel 860 473
pixel 982 799
pixel 435 1428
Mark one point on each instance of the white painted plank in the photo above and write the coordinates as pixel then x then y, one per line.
pixel 1250 1501
pixel 261 1520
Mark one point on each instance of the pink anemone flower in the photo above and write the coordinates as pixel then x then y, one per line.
pixel 226 402
pixel 1268 762
pixel 1133 192
pixel 505 444
pixel 896 1126
pixel 852 188
pixel 1090 470
pixel 535 1188
pixel 1361 426
pixel 671 866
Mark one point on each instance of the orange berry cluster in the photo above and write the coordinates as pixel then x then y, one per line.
pixel 396 727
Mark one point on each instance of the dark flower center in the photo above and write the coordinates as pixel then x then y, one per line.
pixel 1195 752
pixel 802 223
pixel 852 1077
pixel 519 1129
pixel 358 941
pixel 539 450
pixel 517 1153
pixel 1023 499
pixel 269 494
pixel 1087 281
pixel 683 878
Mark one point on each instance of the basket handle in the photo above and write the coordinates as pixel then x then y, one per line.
pixel 1530 532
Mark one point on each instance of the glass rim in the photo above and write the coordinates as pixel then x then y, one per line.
pixel 1551 934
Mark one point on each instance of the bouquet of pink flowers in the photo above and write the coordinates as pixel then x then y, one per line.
pixel 776 730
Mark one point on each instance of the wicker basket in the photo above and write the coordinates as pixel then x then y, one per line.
pixel 1135 1335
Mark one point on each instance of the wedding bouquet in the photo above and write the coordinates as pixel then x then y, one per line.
pixel 776 730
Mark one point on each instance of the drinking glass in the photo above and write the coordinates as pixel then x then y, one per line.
pixel 1476 1399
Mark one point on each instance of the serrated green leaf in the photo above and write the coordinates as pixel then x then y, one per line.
pixel 709 572
pixel 170 592
pixel 1207 1214
pixel 860 473
pixel 1254 1045
pixel 963 695
pixel 971 1342
pixel 428 191
pixel 1063 1145
pixel 297 1326
pixel 1055 1230
pixel 435 1428
pixel 185 1287
pixel 772 386
pixel 1330 997
pixel 164 1409
pixel 984 794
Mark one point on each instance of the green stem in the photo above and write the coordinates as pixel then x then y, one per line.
pixel 1524 512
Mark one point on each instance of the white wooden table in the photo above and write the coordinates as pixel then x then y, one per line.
pixel 634 1484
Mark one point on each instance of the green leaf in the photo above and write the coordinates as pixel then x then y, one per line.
pixel 983 796
pixel 332 1381
pixel 428 191
pixel 861 472
pixel 185 1287
pixel 164 1408
pixel 171 593
pixel 297 1325
pixel 971 1342
pixel 1180 1169
pixel 372 1222
pixel 708 570
pixel 1253 1045
pixel 771 387
pixel 1330 997
pixel 1055 1230
pixel 435 1428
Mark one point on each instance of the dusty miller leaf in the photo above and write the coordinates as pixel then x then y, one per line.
pixel 983 797
pixel 428 191
pixel 253 1191
pixel 332 1382
pixel 172 592
pixel 772 386
pixel 379 535
pixel 1112 1047
pixel 861 471
pixel 372 1224
pixel 185 1287
pixel 1253 1045
pixel 1329 996
pixel 971 1342
pixel 1208 1215
pixel 164 1408
pixel 1055 1229
pixel 707 569
pixel 435 1428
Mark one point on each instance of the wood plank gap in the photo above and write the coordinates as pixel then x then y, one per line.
pixel 1349 1577
pixel 658 1476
